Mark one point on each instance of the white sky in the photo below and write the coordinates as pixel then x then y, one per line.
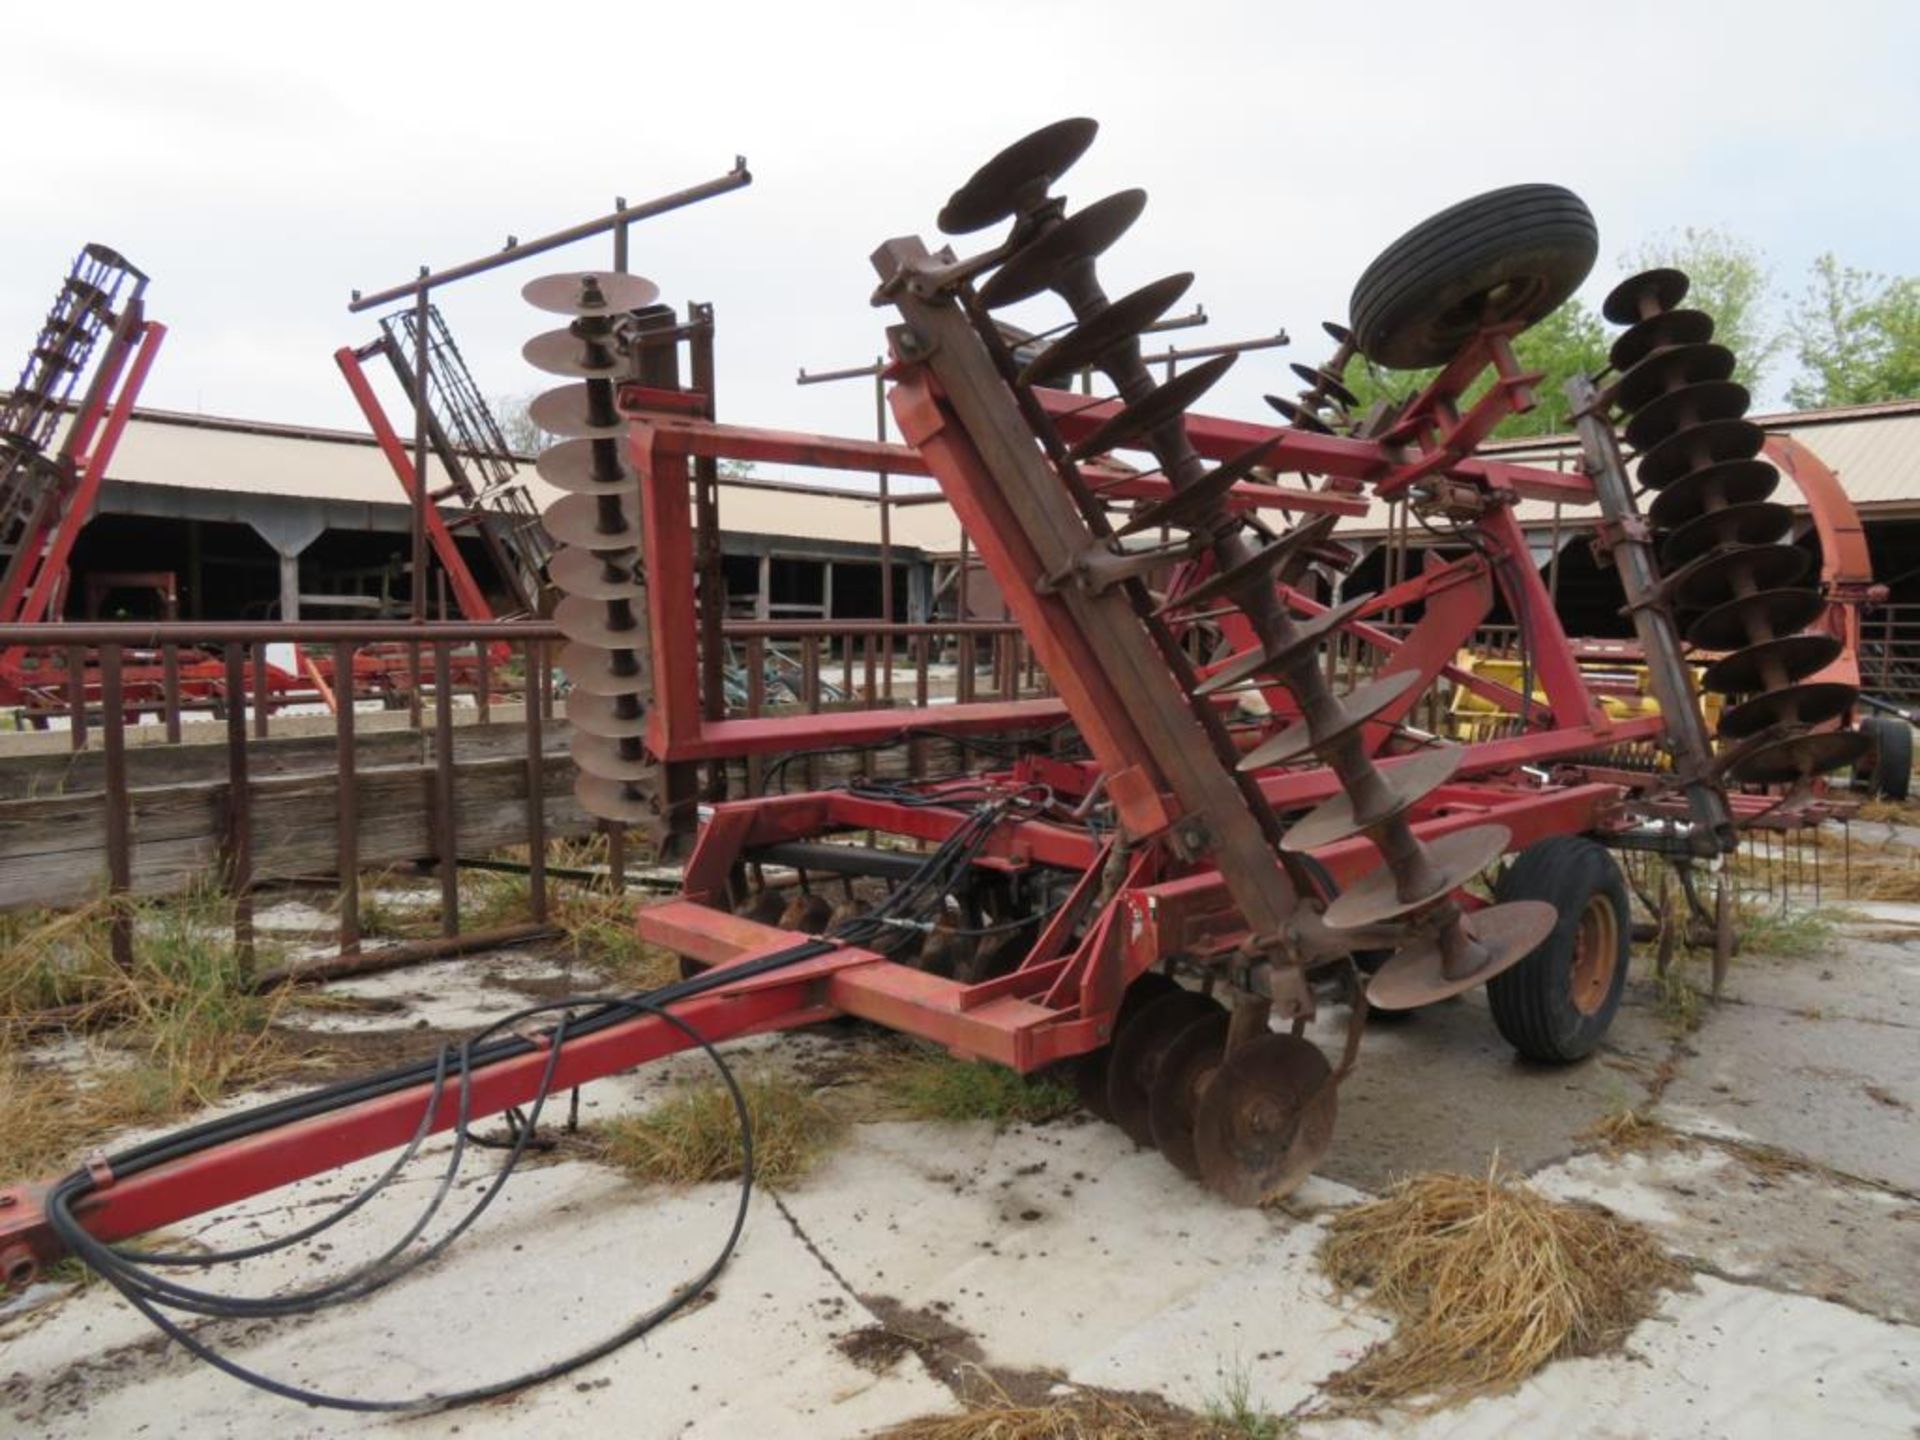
pixel 260 160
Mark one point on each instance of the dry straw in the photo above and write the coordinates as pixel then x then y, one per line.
pixel 1487 1281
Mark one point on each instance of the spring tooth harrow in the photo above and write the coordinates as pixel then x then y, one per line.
pixel 1326 852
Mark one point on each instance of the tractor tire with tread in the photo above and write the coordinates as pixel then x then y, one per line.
pixel 1556 1005
pixel 1513 254
pixel 1888 767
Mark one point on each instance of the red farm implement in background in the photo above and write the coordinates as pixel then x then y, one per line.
pixel 1226 847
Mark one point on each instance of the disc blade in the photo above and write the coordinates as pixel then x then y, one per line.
pixel 608 758
pixel 1174 1101
pixel 617 717
pixel 1018 177
pixel 1752 619
pixel 586 622
pixel 568 411
pixel 605 672
pixel 1165 404
pixel 561 352
pixel 1800 757
pixel 1408 782
pixel 1120 322
pixel 1083 235
pixel 1266 1119
pixel 581 521
pixel 1452 860
pixel 589 292
pixel 1137 1051
pixel 1676 327
pixel 585 467
pixel 1722 575
pixel 1696 404
pixel 1298 415
pixel 1356 708
pixel 1196 505
pixel 1643 296
pixel 1416 975
pixel 581 572
pixel 1773 664
pixel 1669 369
pixel 1765 522
pixel 1813 703
pixel 1307 635
pixel 1270 559
pixel 620 801
pixel 1736 482
pixel 1696 447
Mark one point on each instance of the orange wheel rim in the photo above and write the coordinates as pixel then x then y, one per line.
pixel 1596 950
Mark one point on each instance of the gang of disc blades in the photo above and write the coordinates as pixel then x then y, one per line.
pixel 1357 707
pixel 1120 322
pixel 1690 405
pixel 603 755
pixel 1452 860
pixel 590 292
pixel 1265 1119
pixel 616 800
pixel 1267 559
pixel 1670 369
pixel 1801 757
pixel 1202 503
pixel 1676 327
pixel 1696 447
pixel 602 714
pixel 1723 574
pixel 585 573
pixel 1732 482
pixel 1813 702
pixel 1167 402
pixel 561 352
pixel 1408 782
pixel 1306 635
pixel 1018 177
pixel 594 670
pixel 1750 619
pixel 1298 415
pixel 576 520
pixel 587 623
pixel 1626 303
pixel 1795 657
pixel 1416 975
pixel 1083 235
pixel 1764 522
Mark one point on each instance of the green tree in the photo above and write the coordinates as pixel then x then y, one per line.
pixel 1732 282
pixel 1858 337
pixel 1571 341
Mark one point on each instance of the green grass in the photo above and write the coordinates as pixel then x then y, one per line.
pixel 1787 933
pixel 1233 1412
pixel 930 1085
pixel 694 1135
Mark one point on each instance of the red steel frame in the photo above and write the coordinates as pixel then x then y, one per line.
pixel 1061 1000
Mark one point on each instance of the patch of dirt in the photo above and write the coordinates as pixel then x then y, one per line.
pixel 325 1056
pixel 874 1347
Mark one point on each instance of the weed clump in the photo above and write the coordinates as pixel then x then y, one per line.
pixel 930 1085
pixel 694 1136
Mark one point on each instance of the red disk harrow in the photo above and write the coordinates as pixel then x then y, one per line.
pixel 1231 842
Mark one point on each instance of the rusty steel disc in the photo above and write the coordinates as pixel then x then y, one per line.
pixel 1676 327
pixel 1017 179
pixel 1137 1050
pixel 605 672
pixel 1735 482
pixel 1800 757
pixel 1174 1101
pixel 1273 558
pixel 1690 405
pixel 1813 703
pixel 617 717
pixel 1083 235
pixel 582 572
pixel 610 759
pixel 1357 707
pixel 1326 382
pixel 1307 635
pixel 1166 403
pixel 561 352
pixel 1670 369
pixel 621 801
pixel 1298 415
pixel 587 622
pixel 589 292
pixel 586 467
pixel 1772 664
pixel 1120 322
pixel 1643 296
pixel 1751 619
pixel 1408 782
pixel 1265 1119
pixel 1200 504
pixel 1724 574
pixel 1452 860
pixel 1696 447
pixel 1765 522
pixel 581 521
pixel 570 412
pixel 1089 1071
pixel 1416 975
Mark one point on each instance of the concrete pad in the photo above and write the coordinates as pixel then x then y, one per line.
pixel 1443 1091
pixel 1795 1231
pixel 1726 1363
